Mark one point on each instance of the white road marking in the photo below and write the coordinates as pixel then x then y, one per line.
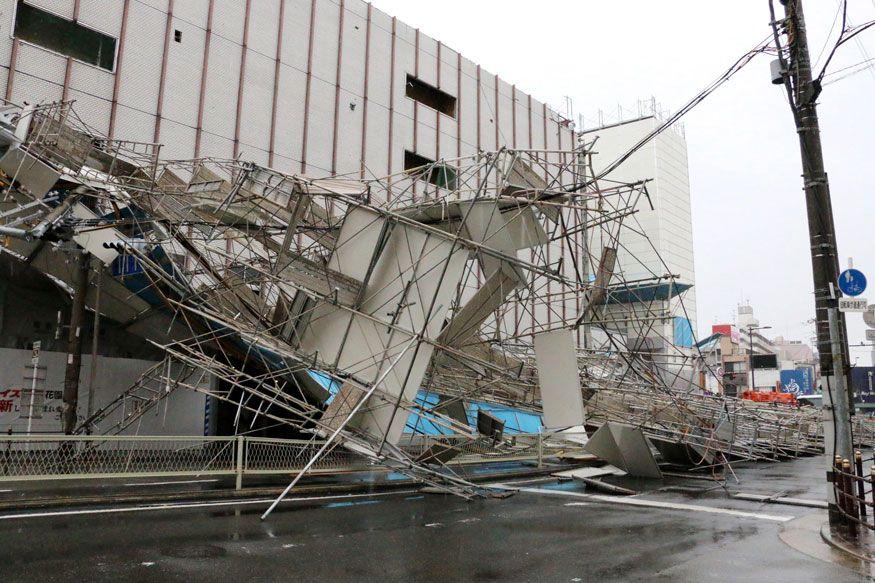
pixel 579 504
pixel 185 505
pixel 5 491
pixel 652 503
pixel 147 563
pixel 172 482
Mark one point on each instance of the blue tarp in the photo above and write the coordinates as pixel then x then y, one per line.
pixel 515 421
pixel 683 332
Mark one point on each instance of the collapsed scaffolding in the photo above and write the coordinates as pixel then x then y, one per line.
pixel 369 312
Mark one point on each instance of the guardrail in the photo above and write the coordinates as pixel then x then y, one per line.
pixel 70 457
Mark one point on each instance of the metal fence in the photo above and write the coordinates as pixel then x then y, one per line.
pixel 68 457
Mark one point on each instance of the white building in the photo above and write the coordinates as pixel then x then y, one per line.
pixel 305 86
pixel 665 246
pixel 316 87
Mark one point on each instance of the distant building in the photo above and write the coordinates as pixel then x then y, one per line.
pixel 733 350
pixel 664 247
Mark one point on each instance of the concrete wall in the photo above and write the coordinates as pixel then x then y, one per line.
pixel 311 86
pixel 182 413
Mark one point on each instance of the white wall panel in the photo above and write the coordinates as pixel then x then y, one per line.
pixel 296 30
pixel 427 60
pixel 140 72
pixel 290 115
pixel 94 111
pixel 192 11
pixel 380 59
pixel 263 26
pixel 131 124
pixel 325 41
pixel 487 111
pixel 349 134
pixel 216 146
pixel 320 131
pixel 522 120
pixel 467 107
pixel 352 72
pixel 26 87
pixel 60 7
pixel 228 16
pixel 223 77
pixel 505 114
pixel 103 16
pixel 255 115
pixel 38 64
pixel 184 66
pixel 377 155
pixel 159 5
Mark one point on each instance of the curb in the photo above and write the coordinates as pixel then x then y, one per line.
pixel 226 493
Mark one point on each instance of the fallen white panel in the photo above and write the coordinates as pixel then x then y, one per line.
pixel 525 230
pixel 626 447
pixel 92 241
pixel 34 174
pixel 485 224
pixel 575 434
pixel 559 379
pixel 590 472
pixel 408 292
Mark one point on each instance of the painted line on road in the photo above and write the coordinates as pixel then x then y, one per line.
pixel 651 503
pixel 171 482
pixel 5 491
pixel 186 505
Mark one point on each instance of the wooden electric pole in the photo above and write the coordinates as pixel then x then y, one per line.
pixel 74 343
pixel 832 344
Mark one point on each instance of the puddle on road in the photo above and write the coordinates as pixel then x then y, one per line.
pixel 195 552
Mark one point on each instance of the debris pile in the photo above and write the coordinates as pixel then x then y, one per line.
pixel 368 312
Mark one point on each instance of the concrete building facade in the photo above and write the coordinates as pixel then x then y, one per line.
pixel 664 242
pixel 304 86
pixel 316 87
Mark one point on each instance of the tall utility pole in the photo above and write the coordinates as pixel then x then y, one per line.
pixel 74 343
pixel 832 343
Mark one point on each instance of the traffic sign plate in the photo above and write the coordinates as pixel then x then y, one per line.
pixel 852 304
pixel 870 335
pixel 869 316
pixel 852 282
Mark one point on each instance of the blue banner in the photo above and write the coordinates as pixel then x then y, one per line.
pixel 799 381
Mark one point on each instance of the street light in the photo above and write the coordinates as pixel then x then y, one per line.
pixel 750 330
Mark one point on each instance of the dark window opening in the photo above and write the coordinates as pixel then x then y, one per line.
pixel 430 96
pixel 177 36
pixel 64 36
pixel 439 174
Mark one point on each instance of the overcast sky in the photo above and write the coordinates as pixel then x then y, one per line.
pixel 749 222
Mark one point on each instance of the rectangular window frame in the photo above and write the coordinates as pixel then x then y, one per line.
pixel 412 160
pixel 413 80
pixel 14 18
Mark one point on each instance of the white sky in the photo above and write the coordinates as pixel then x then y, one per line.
pixel 749 224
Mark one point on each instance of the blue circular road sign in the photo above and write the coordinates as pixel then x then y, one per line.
pixel 852 282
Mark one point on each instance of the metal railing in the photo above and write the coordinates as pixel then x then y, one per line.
pixel 854 490
pixel 82 457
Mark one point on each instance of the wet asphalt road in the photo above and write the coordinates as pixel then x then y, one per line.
pixel 531 536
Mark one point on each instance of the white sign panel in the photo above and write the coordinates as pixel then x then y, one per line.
pixel 852 305
pixel 869 316
pixel 34 359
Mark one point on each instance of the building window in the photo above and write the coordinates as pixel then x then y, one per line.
pixel 430 96
pixel 424 169
pixel 177 36
pixel 64 36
